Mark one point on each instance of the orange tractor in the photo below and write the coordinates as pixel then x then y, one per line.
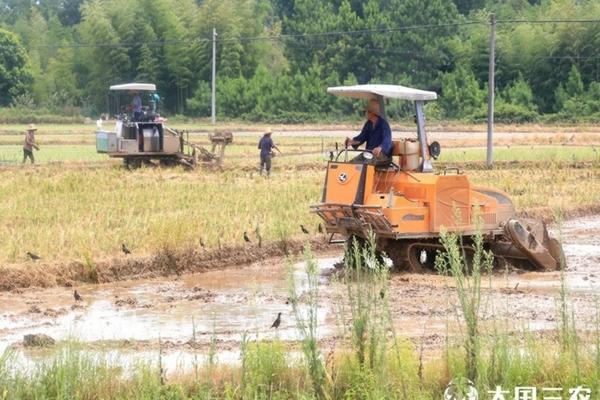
pixel 407 205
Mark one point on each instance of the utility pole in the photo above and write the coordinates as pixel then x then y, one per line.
pixel 492 69
pixel 213 110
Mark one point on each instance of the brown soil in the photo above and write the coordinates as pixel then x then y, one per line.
pixel 166 262
pixel 184 316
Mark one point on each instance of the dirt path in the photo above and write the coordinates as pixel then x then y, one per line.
pixel 128 318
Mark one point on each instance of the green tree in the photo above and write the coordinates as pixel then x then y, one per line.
pixel 570 91
pixel 105 62
pixel 467 6
pixel 62 81
pixel 13 10
pixel 34 32
pixel 519 92
pixel 515 104
pixel 15 70
pixel 69 13
pixel 461 95
pixel 148 66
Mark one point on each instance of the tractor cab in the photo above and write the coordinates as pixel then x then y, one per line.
pixel 413 154
pixel 122 101
pixel 407 206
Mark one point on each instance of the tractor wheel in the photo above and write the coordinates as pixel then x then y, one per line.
pixel 168 162
pixel 132 163
pixel 361 244
pixel 398 253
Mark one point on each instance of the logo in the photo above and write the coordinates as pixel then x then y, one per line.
pixel 343 177
pixel 461 389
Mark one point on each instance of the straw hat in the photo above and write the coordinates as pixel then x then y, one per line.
pixel 268 131
pixel 31 127
pixel 373 106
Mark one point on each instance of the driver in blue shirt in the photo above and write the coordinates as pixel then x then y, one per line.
pixel 376 133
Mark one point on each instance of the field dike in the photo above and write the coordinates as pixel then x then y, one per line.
pixel 166 262
pixel 170 261
pixel 549 215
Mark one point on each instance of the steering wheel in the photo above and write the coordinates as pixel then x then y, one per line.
pixel 368 157
pixel 367 154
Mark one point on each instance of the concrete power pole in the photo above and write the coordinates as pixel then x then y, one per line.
pixel 492 68
pixel 213 109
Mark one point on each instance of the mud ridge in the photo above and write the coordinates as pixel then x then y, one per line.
pixel 549 215
pixel 165 262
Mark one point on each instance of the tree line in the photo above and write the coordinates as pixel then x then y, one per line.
pixel 276 57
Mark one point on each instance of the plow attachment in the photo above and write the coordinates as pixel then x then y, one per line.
pixel 523 242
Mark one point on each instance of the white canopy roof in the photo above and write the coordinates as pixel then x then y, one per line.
pixel 390 91
pixel 151 87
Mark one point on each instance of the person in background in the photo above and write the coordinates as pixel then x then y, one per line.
pixel 137 106
pixel 154 100
pixel 376 132
pixel 266 147
pixel 30 144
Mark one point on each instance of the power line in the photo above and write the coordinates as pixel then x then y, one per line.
pixel 356 32
pixel 548 21
pixel 299 35
pixel 260 38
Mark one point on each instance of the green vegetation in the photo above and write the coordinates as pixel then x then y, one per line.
pixel 274 58
pixel 108 205
pixel 68 212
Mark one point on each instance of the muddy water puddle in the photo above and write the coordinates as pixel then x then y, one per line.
pixel 124 321
pixel 189 312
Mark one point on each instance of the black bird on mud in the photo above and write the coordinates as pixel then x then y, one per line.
pixel 304 230
pixel 277 321
pixel 125 249
pixel 77 296
pixel 246 238
pixel 34 257
pixel 320 228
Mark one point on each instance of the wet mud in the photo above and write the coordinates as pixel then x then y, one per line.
pixel 166 262
pixel 182 317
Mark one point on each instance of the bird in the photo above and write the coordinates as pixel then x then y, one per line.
pixel 77 296
pixel 34 257
pixel 320 228
pixel 125 249
pixel 277 321
pixel 382 294
pixel 246 238
pixel 423 257
pixel 304 230
pixel 331 156
pixel 201 242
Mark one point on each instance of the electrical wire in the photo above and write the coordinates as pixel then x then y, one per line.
pixel 302 35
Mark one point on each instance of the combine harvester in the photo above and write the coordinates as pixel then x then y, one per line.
pixel 407 205
pixel 145 138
